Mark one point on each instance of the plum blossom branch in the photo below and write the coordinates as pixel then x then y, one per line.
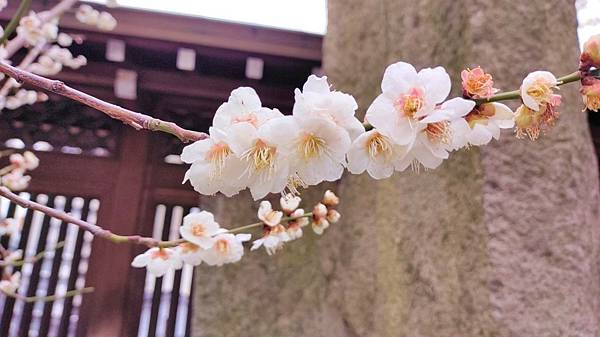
pixel 100 232
pixel 134 119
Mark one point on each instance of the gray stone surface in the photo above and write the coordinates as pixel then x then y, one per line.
pixel 500 241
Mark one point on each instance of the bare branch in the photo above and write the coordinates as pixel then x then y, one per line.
pixel 134 119
pixel 32 259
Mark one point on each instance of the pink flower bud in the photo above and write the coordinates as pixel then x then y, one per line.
pixel 320 211
pixel 590 91
pixel 330 199
pixel 333 216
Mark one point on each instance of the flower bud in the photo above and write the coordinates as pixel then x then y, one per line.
pixel 590 91
pixel 330 199
pixel 289 203
pixel 590 56
pixel 333 216
pixel 477 84
pixel 320 225
pixel 320 211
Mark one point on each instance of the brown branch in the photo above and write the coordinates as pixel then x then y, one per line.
pixel 94 229
pixel 135 119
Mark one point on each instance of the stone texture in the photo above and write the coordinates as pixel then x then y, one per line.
pixel 497 242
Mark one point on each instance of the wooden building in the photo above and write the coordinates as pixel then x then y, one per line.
pixel 125 180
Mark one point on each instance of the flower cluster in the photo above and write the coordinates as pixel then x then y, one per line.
pixel 102 20
pixel 205 241
pixel 254 147
pixel 35 31
pixel 13 176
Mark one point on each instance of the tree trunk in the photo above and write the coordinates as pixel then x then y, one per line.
pixel 498 241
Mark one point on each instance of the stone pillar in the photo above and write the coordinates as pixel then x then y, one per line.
pixel 498 241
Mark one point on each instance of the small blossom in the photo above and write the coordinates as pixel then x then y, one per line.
pixel 316 100
pixel 13 256
pixel 289 203
pixel 15 180
pixel 264 153
pixel 407 98
pixel 485 122
pixel 25 161
pixel 319 211
pixel 537 90
pixel 200 229
pixel 64 39
pixel 320 225
pixel 294 229
pixel 11 283
pixel 30 29
pixel 228 248
pixel 88 15
pixel 273 240
pixel 10 226
pixel 590 56
pixel 590 91
pixel 190 253
pixel 243 107
pixel 106 21
pixel 375 153
pixel 527 123
pixel 333 216
pixel 330 199
pixel 214 166
pixel 267 215
pixel 477 84
pixel 158 261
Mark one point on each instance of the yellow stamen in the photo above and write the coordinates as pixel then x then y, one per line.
pixel 379 144
pixel 198 230
pixel 439 132
pixel 217 155
pixel 311 146
pixel 409 104
pixel 261 155
pixel 541 91
pixel 222 246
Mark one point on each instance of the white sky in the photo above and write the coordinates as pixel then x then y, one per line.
pixel 300 15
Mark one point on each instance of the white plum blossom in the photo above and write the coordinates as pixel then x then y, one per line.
pixel 376 153
pixel 289 203
pixel 485 122
pixel 265 154
pixel 25 161
pixel 87 14
pixel 10 226
pixel 243 106
pixel 190 253
pixel 294 229
pixel 407 97
pixel 214 166
pixel 319 151
pixel 158 261
pixel 64 39
pixel 440 132
pixel 273 240
pixel 106 22
pixel 317 100
pixel 228 248
pixel 267 215
pixel 537 89
pixel 320 225
pixel 15 180
pixel 10 285
pixel 200 229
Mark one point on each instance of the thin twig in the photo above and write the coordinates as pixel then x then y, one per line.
pixel 49 298
pixel 32 259
pixel 137 120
